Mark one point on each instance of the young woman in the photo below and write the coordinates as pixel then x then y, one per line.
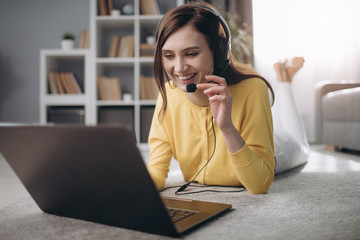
pixel 221 134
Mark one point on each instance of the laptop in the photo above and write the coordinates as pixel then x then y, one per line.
pixel 97 174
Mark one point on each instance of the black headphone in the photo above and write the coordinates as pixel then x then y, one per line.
pixel 223 50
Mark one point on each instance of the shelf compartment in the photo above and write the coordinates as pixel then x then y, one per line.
pixel 66 114
pixel 125 73
pixel 116 115
pixel 147 28
pixel 147 85
pixel 146 115
pixel 66 63
pixel 163 6
pixel 117 4
pixel 166 5
pixel 109 28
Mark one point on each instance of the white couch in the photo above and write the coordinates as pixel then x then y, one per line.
pixel 337 114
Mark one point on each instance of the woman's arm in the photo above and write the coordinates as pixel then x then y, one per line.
pixel 221 106
pixel 247 132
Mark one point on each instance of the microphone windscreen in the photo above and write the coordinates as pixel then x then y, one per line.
pixel 191 87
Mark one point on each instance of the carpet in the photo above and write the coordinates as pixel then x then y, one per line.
pixel 304 203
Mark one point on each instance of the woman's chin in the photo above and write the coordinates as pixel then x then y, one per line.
pixel 182 87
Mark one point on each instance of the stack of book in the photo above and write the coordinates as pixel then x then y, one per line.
pixel 148 88
pixel 109 88
pixel 84 39
pixel 122 46
pixel 105 7
pixel 63 83
pixel 147 50
pixel 150 7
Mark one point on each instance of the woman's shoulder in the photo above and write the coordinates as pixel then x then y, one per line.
pixel 250 91
pixel 250 85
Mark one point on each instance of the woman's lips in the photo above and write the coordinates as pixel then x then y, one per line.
pixel 186 78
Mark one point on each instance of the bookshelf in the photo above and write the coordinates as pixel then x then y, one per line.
pixel 103 60
pixel 75 106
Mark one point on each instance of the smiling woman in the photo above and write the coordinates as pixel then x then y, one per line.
pixel 220 132
pixel 197 127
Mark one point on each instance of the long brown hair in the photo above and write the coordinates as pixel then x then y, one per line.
pixel 207 23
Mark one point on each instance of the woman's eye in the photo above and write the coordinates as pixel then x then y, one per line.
pixel 192 54
pixel 168 56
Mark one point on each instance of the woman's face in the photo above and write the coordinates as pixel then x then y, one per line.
pixel 187 57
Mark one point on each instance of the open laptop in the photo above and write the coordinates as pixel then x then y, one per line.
pixel 96 174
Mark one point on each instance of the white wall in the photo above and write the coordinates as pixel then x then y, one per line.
pixel 325 32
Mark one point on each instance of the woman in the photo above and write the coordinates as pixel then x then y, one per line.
pixel 221 134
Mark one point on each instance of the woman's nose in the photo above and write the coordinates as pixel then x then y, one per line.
pixel 179 64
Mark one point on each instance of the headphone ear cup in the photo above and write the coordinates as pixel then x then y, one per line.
pixel 221 55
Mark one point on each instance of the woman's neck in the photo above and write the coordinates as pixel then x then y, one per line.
pixel 198 98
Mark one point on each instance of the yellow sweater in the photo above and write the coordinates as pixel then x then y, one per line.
pixel 186 133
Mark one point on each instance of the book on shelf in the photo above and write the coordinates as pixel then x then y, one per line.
pixel 109 88
pixel 105 7
pixel 74 85
pixel 63 83
pixel 126 46
pixel 102 7
pixel 147 50
pixel 52 83
pixel 148 88
pixel 110 5
pixel 149 7
pixel 59 83
pixel 84 39
pixel 113 46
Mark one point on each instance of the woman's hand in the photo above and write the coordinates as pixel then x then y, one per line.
pixel 220 100
pixel 221 105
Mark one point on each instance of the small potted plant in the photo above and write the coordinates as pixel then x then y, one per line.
pixel 241 40
pixel 67 41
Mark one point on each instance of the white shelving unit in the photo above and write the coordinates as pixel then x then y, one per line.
pixel 95 61
pixel 78 62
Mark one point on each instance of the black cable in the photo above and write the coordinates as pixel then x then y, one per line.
pixel 241 189
pixel 208 190
pixel 183 187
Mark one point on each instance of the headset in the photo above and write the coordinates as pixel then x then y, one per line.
pixel 223 50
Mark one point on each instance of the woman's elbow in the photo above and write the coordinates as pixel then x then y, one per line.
pixel 259 188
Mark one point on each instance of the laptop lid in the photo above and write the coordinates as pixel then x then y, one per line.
pixel 92 173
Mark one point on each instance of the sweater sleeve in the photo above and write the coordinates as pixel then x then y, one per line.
pixel 160 149
pixel 254 164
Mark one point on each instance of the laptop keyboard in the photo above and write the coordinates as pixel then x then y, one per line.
pixel 179 214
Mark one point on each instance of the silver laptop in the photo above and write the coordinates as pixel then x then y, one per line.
pixel 97 174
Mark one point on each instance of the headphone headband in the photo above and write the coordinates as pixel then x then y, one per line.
pixel 218 15
pixel 223 24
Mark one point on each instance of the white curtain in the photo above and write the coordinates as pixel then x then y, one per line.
pixel 325 32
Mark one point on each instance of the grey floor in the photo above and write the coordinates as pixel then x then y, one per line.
pixel 11 189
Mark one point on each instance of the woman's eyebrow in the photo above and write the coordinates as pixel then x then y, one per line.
pixel 184 50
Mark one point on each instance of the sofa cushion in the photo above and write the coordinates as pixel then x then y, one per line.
pixel 342 105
